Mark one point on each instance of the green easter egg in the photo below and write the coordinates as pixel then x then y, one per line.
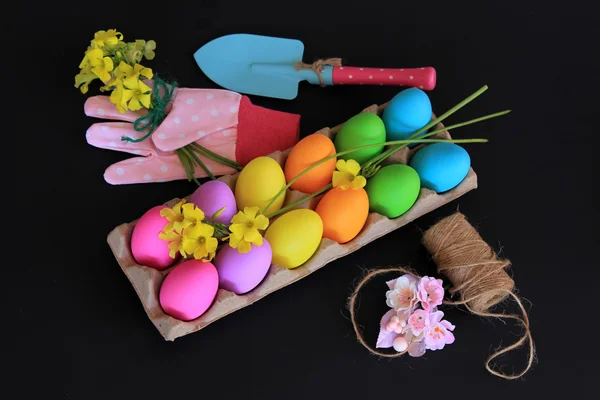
pixel 361 130
pixel 393 190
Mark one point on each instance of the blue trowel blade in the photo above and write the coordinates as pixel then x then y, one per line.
pixel 253 64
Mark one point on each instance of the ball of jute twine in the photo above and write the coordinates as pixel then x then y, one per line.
pixel 477 275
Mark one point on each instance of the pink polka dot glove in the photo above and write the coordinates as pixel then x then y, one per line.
pixel 224 122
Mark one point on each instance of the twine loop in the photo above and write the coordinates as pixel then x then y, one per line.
pixel 319 66
pixel 157 112
pixel 477 276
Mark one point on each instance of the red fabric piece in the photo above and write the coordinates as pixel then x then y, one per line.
pixel 262 131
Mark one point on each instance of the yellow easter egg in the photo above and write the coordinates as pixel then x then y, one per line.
pixel 294 237
pixel 258 183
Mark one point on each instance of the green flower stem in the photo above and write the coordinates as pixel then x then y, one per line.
pixel 215 157
pixel 389 152
pixel 371 165
pixel 341 153
pixel 184 161
pixel 187 165
pixel 221 230
pixel 290 206
pixel 198 161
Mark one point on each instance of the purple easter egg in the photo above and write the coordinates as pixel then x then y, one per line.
pixel 241 272
pixel 211 196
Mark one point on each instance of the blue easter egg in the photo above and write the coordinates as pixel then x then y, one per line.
pixel 406 113
pixel 441 166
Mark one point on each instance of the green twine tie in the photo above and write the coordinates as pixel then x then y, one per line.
pixel 157 113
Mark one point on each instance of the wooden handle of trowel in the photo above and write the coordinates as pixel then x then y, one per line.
pixel 422 78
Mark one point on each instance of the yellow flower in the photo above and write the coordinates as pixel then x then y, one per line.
pixel 83 79
pixel 192 215
pixel 245 228
pixel 131 74
pixel 101 66
pixel 140 94
pixel 347 176
pixel 85 62
pixel 175 217
pixel 120 95
pixel 198 240
pixel 102 38
pixel 175 242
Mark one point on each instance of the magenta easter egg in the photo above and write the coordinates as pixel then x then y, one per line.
pixel 189 289
pixel 241 272
pixel 211 196
pixel 147 248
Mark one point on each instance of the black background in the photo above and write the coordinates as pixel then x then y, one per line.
pixel 74 325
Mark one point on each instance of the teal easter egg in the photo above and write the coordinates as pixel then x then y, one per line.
pixel 441 166
pixel 361 130
pixel 393 190
pixel 406 113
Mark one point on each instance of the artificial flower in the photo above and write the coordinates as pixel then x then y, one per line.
pixel 175 242
pixel 386 337
pixel 102 38
pixel 347 176
pixel 198 240
pixel 430 292
pixel 438 334
pixel 396 324
pixel 120 95
pixel 83 79
pixel 403 296
pixel 245 228
pixel 175 217
pixel 140 94
pixel 101 66
pixel 418 321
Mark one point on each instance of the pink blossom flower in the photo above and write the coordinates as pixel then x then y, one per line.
pixel 418 321
pixel 403 296
pixel 431 292
pixel 438 333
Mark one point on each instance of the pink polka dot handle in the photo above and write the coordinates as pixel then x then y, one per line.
pixel 422 78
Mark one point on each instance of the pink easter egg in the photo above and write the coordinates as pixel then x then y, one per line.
pixel 211 196
pixel 241 272
pixel 147 248
pixel 189 289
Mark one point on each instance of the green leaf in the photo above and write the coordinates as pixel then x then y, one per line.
pixel 218 213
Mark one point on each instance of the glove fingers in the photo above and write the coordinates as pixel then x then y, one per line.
pixel 101 107
pixel 157 169
pixel 197 113
pixel 145 170
pixel 108 135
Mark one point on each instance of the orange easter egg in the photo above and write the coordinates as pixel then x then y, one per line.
pixel 306 152
pixel 344 213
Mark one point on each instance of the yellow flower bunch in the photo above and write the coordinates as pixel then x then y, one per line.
pixel 187 232
pixel 245 227
pixel 347 175
pixel 117 64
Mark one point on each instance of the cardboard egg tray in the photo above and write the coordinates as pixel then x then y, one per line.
pixel 147 281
